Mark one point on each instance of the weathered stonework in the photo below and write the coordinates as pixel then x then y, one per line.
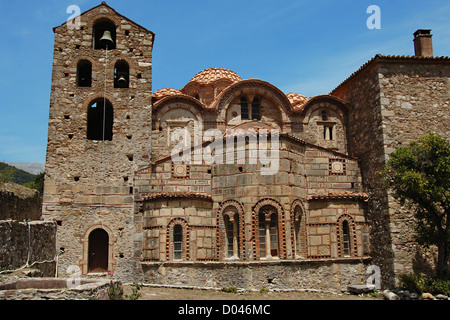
pixel 393 101
pixel 89 182
pixel 319 219
pixel 28 244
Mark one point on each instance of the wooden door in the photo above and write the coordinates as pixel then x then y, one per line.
pixel 98 251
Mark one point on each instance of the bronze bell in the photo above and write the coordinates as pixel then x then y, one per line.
pixel 122 81
pixel 107 37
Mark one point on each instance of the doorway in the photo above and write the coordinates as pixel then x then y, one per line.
pixel 98 251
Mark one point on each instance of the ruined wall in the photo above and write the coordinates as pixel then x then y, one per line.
pixel 28 243
pixel 19 203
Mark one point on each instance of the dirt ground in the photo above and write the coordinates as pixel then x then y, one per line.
pixel 157 293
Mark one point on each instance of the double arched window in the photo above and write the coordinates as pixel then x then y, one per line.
pixel 250 111
pixel 268 232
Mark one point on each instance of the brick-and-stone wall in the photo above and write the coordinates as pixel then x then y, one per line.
pixel 393 101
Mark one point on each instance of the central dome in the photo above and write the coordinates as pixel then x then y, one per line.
pixel 211 75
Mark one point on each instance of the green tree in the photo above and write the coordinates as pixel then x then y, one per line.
pixel 37 184
pixel 419 175
pixel 7 174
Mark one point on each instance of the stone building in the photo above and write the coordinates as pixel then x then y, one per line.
pixel 264 188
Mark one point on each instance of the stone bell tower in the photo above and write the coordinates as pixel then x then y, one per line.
pixel 98 135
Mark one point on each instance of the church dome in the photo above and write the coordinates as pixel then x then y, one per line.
pixel 297 100
pixel 165 92
pixel 211 75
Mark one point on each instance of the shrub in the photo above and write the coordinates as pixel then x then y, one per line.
pixel 422 283
pixel 232 289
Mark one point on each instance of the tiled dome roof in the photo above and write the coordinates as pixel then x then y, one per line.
pixel 297 100
pixel 162 93
pixel 211 75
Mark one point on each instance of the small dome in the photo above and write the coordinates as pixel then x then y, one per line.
pixel 165 92
pixel 211 75
pixel 297 100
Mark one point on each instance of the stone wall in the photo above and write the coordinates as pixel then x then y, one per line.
pixel 89 180
pixel 365 141
pixel 28 244
pixel 330 275
pixel 415 101
pixel 19 203
pixel 56 289
pixel 394 100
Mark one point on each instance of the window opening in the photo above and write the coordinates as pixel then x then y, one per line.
pixel 121 74
pixel 232 231
pixel 84 73
pixel 177 242
pixel 256 109
pixel 244 108
pixel 104 35
pixel 268 234
pixel 100 120
pixel 346 238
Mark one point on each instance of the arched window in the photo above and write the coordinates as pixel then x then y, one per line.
pixel 100 120
pixel 256 115
pixel 297 231
pixel 177 242
pixel 121 74
pixel 324 115
pixel 98 251
pixel 346 239
pixel 244 108
pixel 268 232
pixel 104 34
pixel 84 73
pixel 232 235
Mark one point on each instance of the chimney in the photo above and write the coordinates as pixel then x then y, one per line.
pixel 423 45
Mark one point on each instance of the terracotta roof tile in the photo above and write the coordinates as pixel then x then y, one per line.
pixel 297 100
pixel 165 92
pixel 175 194
pixel 211 75
pixel 341 196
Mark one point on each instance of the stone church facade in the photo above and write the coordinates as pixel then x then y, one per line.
pixel 319 220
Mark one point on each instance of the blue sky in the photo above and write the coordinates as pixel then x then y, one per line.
pixel 299 46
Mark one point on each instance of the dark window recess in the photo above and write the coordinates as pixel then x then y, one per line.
pixel 177 242
pixel 244 108
pixel 256 115
pixel 84 73
pixel 100 120
pixel 121 74
pixel 104 34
